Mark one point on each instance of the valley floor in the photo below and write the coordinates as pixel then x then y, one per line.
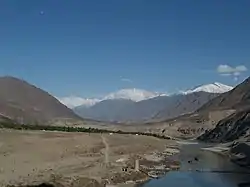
pixel 28 157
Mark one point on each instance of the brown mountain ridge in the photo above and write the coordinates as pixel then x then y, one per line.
pixel 25 103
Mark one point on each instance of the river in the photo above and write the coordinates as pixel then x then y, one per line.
pixel 211 170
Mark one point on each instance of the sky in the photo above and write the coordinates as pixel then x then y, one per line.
pixel 90 48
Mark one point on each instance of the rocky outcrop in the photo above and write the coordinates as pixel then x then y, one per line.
pixel 231 128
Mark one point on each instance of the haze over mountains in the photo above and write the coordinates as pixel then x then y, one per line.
pixel 140 105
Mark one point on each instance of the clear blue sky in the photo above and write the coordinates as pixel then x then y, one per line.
pixel 85 47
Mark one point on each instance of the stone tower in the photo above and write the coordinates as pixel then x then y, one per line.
pixel 136 165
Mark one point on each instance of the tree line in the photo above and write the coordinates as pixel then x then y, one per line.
pixel 10 125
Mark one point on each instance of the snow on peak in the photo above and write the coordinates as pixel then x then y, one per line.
pixel 136 95
pixel 210 88
pixel 133 94
pixel 74 101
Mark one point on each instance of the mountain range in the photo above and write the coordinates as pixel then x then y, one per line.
pixel 223 112
pixel 220 111
pixel 139 105
pixel 136 95
pixel 133 94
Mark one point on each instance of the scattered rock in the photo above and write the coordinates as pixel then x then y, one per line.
pixel 39 185
pixel 61 182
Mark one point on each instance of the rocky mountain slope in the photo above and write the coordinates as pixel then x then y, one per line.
pixel 237 124
pixel 26 103
pixel 231 128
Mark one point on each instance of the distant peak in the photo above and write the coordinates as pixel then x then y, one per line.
pixel 215 87
pixel 136 94
pixel 74 101
pixel 133 94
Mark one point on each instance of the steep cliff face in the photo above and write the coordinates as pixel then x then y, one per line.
pixel 231 128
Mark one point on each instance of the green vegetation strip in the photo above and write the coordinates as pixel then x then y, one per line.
pixel 72 129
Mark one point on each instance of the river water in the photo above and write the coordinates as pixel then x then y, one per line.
pixel 211 170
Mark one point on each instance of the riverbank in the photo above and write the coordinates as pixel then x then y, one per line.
pixel 218 149
pixel 238 152
pixel 203 167
pixel 150 165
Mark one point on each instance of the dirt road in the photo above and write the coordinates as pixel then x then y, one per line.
pixel 106 152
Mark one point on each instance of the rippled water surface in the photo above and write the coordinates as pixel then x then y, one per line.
pixel 211 170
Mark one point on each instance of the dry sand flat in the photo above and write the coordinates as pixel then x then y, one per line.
pixel 36 156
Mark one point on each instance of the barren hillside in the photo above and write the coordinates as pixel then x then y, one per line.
pixel 24 102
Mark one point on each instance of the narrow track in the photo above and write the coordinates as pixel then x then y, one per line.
pixel 106 152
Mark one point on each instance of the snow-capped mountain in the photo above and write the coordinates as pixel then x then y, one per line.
pixel 133 94
pixel 130 94
pixel 74 101
pixel 164 107
pixel 137 95
pixel 210 88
